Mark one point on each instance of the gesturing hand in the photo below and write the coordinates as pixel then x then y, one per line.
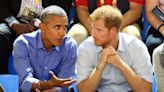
pixel 58 82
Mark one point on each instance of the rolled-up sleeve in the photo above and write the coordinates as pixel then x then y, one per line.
pixel 141 61
pixel 22 64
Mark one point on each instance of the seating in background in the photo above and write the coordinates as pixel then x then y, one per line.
pixel 154 85
pixel 146 26
pixel 9 82
pixel 11 69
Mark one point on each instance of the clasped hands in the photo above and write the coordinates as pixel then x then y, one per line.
pixel 110 56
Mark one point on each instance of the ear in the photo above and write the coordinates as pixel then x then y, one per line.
pixel 42 26
pixel 114 30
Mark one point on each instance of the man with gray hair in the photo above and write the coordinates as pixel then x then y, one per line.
pixel 44 59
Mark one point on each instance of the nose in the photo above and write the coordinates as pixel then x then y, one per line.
pixel 93 33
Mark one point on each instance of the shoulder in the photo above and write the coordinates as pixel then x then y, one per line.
pixel 69 41
pixel 131 42
pixel 158 49
pixel 28 38
pixel 88 44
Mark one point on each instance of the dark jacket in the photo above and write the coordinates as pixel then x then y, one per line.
pixel 12 7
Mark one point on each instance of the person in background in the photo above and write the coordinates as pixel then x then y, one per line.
pixel 158 63
pixel 18 17
pixel 45 59
pixel 131 9
pixel 156 32
pixel 111 61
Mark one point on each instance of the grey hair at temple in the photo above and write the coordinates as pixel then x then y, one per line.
pixel 51 11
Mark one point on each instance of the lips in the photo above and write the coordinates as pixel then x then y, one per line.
pixel 95 39
pixel 60 39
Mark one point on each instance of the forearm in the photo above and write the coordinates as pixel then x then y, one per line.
pixel 153 20
pixel 93 79
pixel 83 16
pixel 130 17
pixel 135 82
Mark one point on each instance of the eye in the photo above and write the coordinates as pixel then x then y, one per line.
pixel 99 30
pixel 57 27
pixel 65 27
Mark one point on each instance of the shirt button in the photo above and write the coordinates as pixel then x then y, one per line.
pixel 45 68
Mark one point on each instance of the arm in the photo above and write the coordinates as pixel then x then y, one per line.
pixel 135 81
pixel 22 64
pixel 153 20
pixel 132 15
pixel 8 16
pixel 87 74
pixel 93 79
pixel 135 76
pixel 83 16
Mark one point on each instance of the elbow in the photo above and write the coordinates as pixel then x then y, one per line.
pixel 144 90
pixel 147 88
pixel 80 88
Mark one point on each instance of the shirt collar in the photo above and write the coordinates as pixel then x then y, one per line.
pixel 121 44
pixel 40 42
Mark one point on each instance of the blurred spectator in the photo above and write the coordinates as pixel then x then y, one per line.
pixel 158 62
pixel 156 32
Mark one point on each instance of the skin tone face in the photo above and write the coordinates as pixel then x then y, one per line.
pixel 103 36
pixel 53 31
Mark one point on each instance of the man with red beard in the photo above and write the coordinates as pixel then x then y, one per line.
pixel 110 61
